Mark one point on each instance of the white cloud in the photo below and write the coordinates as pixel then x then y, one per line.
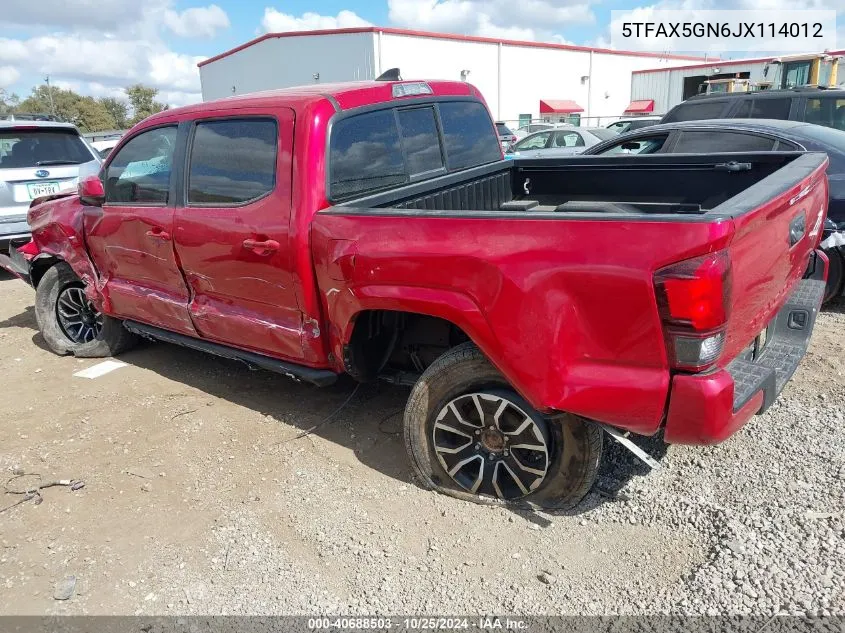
pixel 97 47
pixel 8 76
pixel 93 14
pixel 197 21
pixel 275 21
pixel 525 20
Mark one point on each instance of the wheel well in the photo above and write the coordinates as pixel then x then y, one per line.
pixel 41 265
pixel 387 342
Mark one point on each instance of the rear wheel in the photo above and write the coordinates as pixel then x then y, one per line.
pixel 69 322
pixel 835 274
pixel 470 435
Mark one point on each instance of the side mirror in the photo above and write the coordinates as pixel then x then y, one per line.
pixel 91 191
pixel 631 145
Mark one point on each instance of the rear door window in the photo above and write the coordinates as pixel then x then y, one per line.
pixel 697 110
pixel 567 139
pixel 232 161
pixel 468 134
pixel 770 108
pixel 420 140
pixel 714 141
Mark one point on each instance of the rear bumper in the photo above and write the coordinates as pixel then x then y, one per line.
pixel 708 408
pixel 16 263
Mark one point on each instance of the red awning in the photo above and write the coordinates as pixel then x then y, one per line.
pixel 558 106
pixel 640 107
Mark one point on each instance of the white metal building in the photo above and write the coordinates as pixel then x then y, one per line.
pixel 514 76
pixel 668 87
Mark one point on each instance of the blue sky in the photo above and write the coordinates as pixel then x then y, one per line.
pixel 97 47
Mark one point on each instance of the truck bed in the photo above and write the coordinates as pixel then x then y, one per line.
pixel 628 186
pixel 562 299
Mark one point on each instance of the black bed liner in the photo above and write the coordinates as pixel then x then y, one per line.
pixel 681 187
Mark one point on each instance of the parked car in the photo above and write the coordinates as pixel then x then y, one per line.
pixel 37 158
pixel 105 147
pixel 633 123
pixel 373 229
pixel 506 136
pixel 563 141
pixel 755 135
pixel 821 106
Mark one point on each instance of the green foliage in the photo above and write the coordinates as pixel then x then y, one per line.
pixel 118 109
pixel 142 100
pixel 87 113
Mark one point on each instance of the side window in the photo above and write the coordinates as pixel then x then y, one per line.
pixel 648 145
pixel 469 134
pixel 538 141
pixel 232 161
pixel 695 111
pixel 744 110
pixel 826 111
pixel 712 141
pixel 770 109
pixel 420 140
pixel 567 139
pixel 140 171
pixel 366 154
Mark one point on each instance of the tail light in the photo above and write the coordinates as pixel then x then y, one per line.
pixel 693 297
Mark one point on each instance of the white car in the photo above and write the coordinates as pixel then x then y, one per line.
pixel 563 141
pixel 37 158
pixel 630 124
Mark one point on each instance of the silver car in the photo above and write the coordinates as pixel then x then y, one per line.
pixel 563 141
pixel 37 158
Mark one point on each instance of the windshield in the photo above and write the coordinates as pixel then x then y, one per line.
pixel 503 130
pixel 35 148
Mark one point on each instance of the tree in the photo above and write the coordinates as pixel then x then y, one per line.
pixel 86 113
pixel 142 100
pixel 118 109
pixel 8 102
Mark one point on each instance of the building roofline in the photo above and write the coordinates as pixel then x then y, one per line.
pixel 726 62
pixel 449 36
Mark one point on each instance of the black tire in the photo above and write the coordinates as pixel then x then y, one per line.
pixel 574 445
pixel 111 339
pixel 835 275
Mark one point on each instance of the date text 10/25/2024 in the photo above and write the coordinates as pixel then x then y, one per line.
pixel 485 623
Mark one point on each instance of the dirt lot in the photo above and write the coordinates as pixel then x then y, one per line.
pixel 200 498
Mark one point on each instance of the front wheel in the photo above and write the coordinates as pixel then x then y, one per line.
pixel 69 322
pixel 471 436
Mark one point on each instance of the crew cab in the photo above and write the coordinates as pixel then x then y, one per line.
pixel 373 229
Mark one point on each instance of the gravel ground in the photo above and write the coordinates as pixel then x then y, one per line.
pixel 201 499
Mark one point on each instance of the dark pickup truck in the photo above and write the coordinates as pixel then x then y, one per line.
pixel 373 229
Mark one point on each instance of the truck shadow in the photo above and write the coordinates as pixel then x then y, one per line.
pixel 366 419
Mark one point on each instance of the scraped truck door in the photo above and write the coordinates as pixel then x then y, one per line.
pixel 232 235
pixel 130 238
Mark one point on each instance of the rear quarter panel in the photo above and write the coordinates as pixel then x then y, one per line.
pixel 564 308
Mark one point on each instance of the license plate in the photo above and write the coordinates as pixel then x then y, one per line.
pixel 37 190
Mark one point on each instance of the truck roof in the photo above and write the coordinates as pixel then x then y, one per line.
pixel 345 95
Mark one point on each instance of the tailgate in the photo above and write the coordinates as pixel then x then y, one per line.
pixel 778 224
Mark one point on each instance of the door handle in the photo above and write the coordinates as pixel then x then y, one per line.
pixel 158 233
pixel 265 247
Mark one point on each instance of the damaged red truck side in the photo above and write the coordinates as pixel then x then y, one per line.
pixel 373 229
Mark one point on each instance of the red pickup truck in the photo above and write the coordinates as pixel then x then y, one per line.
pixel 374 229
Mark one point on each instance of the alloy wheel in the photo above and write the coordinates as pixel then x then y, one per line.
pixel 490 446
